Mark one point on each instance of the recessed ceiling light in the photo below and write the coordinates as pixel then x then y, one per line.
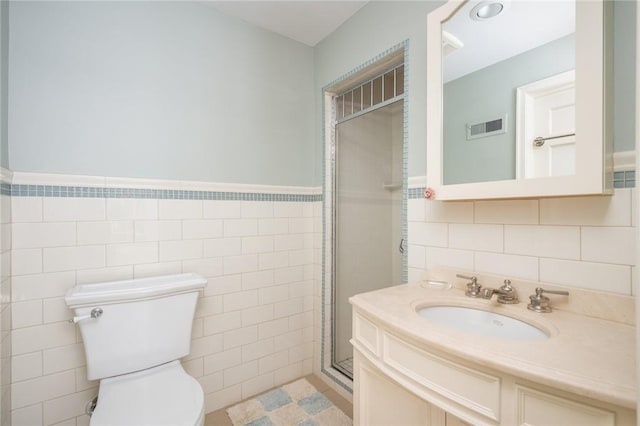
pixel 486 10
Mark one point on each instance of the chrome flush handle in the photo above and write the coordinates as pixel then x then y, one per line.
pixel 95 313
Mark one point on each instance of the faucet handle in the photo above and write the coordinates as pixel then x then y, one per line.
pixel 473 288
pixel 541 303
pixel 507 294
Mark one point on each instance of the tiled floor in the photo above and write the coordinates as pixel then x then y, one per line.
pixel 220 418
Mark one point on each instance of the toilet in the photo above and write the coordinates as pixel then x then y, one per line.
pixel 134 334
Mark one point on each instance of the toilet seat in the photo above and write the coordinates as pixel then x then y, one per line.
pixel 162 395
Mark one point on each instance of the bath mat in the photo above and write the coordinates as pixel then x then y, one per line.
pixel 294 404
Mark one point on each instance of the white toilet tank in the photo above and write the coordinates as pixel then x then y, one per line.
pixel 144 322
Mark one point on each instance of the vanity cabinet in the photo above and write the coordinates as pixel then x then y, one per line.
pixel 399 380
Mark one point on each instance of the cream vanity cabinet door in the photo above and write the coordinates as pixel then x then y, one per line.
pixel 537 408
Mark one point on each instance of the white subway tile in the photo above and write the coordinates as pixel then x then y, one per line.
pixel 26 261
pixel 55 310
pixel 238 264
pixel 180 250
pixel 273 362
pixel 132 209
pixel 157 230
pixel 227 396
pixel 36 235
pixel 208 305
pixel 212 382
pixel 300 257
pixel 42 388
pixel 300 289
pixel 26 314
pixel 26 366
pixel 223 285
pixel 73 258
pixel 131 253
pixel 561 242
pixel 26 209
pixel 242 300
pixel 200 229
pixel 223 322
pixel 73 209
pixel 287 307
pixel 82 383
pixel 61 408
pixel 288 373
pixel 595 211
pixel 476 237
pixel 416 256
pixel 288 340
pixel 506 265
pixel 416 210
pixel 114 273
pixel 451 258
pixel 273 294
pixel 273 226
pixel 257 315
pixel 609 245
pixel 253 280
pixel 180 209
pixel 289 275
pixel 154 269
pixel 218 209
pixel 257 350
pixel 521 212
pixel 301 225
pixel 40 337
pixel 257 244
pixel 27 416
pixel 204 346
pixel 30 287
pixel 290 242
pixel 256 209
pixel 257 385
pixel 240 227
pixel 104 232
pixel 274 260
pixel 414 275
pixel 449 211
pixel 588 275
pixel 63 358
pixel 207 267
pixel 197 328
pixel 302 352
pixel 289 209
pixel 428 234
pixel 240 373
pixel 222 360
pixel 194 367
pixel 240 337
pixel 222 247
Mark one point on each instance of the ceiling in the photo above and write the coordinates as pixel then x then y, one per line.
pixel 305 21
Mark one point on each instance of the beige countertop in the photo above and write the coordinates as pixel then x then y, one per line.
pixel 589 356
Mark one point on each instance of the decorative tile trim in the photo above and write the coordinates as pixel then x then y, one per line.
pixel 626 179
pixel 21 190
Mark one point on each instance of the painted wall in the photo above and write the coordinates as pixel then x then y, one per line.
pixel 171 90
pixel 4 83
pixel 489 94
pixel 624 74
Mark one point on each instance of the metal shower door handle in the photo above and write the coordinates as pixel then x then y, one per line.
pixel 401 246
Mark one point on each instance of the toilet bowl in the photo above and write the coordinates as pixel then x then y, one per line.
pixel 134 333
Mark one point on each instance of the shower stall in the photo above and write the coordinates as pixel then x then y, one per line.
pixel 367 198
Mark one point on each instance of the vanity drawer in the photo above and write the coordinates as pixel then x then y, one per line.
pixel 366 333
pixel 475 390
pixel 536 408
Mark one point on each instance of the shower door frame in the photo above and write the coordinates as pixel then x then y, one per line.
pixel 351 79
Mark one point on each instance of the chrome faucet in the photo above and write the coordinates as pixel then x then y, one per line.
pixel 541 303
pixel 506 293
pixel 473 288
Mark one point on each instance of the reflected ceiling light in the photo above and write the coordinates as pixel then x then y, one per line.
pixel 486 10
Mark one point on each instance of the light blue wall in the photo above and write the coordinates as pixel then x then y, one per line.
pixel 377 27
pixel 4 82
pixel 487 94
pixel 171 90
pixel 624 74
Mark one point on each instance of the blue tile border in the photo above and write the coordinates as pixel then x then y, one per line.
pixel 624 179
pixel 55 191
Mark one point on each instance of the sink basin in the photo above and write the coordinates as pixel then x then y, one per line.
pixel 482 323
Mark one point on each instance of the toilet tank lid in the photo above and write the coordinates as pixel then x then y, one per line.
pixel 143 288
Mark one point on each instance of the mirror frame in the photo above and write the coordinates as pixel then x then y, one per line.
pixel 594 71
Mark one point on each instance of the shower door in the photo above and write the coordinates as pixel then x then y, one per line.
pixel 368 188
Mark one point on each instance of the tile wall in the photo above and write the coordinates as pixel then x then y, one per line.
pixel 586 242
pixel 254 323
pixel 5 307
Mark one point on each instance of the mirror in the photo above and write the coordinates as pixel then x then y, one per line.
pixel 516 99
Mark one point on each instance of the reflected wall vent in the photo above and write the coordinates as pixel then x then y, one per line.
pixel 487 128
